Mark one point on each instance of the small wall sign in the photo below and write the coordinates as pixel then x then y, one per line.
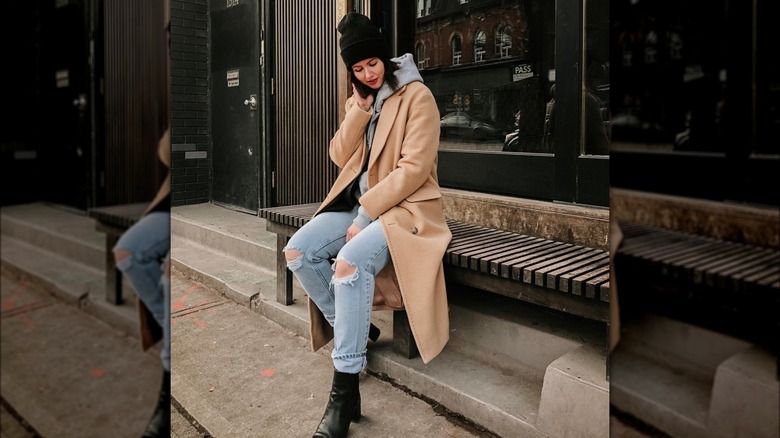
pixel 232 78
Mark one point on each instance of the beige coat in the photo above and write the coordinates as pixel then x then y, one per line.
pixel 404 195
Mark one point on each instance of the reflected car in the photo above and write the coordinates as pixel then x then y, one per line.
pixel 463 125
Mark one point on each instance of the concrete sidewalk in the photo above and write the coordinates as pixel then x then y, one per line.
pixel 69 374
pixel 240 374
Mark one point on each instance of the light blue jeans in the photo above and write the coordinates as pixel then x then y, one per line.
pixel 149 245
pixel 345 302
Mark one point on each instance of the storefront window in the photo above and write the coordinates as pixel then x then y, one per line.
pixel 501 73
pixel 695 93
pixel 671 76
pixel 491 97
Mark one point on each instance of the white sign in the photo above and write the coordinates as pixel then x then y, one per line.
pixel 231 3
pixel 522 71
pixel 232 78
pixel 61 78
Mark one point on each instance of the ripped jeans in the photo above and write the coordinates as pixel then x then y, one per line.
pixel 149 245
pixel 346 302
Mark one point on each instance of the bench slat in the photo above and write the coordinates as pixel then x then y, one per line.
pixel 565 283
pixel 527 272
pixel 481 258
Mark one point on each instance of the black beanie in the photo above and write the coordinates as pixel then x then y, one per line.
pixel 360 39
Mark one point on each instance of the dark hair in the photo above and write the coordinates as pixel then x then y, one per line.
pixel 390 79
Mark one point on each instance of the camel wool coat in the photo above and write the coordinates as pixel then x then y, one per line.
pixel 403 193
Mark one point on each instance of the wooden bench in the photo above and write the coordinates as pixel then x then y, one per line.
pixel 560 276
pixel 727 287
pixel 114 220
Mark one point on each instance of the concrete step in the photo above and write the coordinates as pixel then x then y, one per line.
pixel 239 235
pixel 687 381
pixel 67 233
pixel 73 283
pixel 502 359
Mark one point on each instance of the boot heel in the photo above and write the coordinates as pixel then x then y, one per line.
pixel 373 333
pixel 357 415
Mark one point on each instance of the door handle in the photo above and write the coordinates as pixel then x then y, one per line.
pixel 80 102
pixel 252 102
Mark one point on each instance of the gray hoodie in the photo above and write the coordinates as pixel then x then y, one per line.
pixel 406 73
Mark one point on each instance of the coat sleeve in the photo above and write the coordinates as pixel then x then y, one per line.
pixel 418 154
pixel 351 134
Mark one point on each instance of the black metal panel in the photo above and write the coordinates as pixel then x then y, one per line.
pixel 66 147
pixel 568 96
pixel 525 175
pixel 593 180
pixel 697 175
pixel 235 79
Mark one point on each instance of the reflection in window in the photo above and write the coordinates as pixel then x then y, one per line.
pixel 671 82
pixel 419 52
pixel 493 100
pixel 503 40
pixel 456 52
pixel 479 46
pixel 423 8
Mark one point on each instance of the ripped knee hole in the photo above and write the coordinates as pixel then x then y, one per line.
pixel 344 269
pixel 121 254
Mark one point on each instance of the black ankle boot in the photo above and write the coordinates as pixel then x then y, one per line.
pixel 343 406
pixel 373 332
pixel 160 423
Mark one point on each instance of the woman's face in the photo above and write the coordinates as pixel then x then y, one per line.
pixel 370 72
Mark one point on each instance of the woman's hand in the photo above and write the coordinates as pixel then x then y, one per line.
pixel 364 103
pixel 352 231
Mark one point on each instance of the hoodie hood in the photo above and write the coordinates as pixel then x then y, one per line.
pixel 406 73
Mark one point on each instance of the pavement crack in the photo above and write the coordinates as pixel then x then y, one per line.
pixel 197 308
pixel 27 308
pixel 203 433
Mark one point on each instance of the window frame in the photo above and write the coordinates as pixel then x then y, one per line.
pixel 479 51
pixel 457 56
pixel 498 38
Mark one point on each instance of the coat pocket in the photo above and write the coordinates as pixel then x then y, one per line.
pixel 424 193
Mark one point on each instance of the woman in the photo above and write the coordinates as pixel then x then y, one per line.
pixel 142 253
pixel 382 220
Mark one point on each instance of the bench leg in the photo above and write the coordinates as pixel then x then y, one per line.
pixel 403 339
pixel 284 278
pixel 113 275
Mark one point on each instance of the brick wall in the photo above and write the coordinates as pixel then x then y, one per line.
pixel 191 146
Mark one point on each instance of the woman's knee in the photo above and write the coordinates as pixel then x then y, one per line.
pixel 294 258
pixel 345 272
pixel 123 258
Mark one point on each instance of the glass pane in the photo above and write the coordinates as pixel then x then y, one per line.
pixel 669 75
pixel 491 70
pixel 596 115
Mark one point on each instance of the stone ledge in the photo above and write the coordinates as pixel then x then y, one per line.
pixel 751 225
pixel 570 223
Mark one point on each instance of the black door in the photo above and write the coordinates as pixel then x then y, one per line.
pixel 235 104
pixel 65 103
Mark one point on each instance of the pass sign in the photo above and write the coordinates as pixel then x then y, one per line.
pixel 522 71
